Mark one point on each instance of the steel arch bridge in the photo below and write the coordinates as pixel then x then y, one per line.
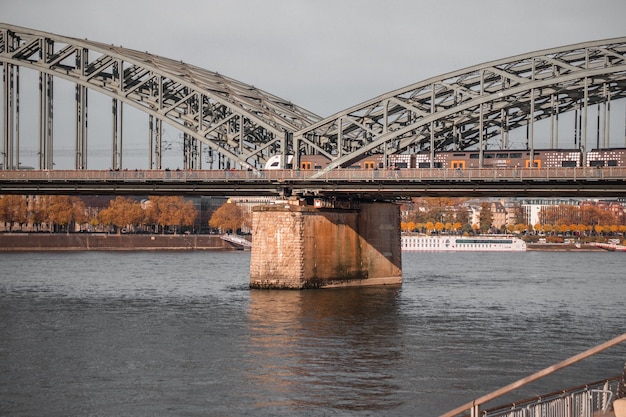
pixel 237 121
pixel 465 109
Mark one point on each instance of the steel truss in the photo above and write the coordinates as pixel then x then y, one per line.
pixel 244 126
pixel 240 123
pixel 467 108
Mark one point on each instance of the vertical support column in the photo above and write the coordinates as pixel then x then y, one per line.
pixel 504 119
pixel 117 131
pixel 606 117
pixel 432 126
pixel 284 149
pixel 187 151
pixel 8 117
pixel 504 129
pixel 191 154
pixel 242 136
pixel 296 150
pixel 598 127
pixel 385 130
pixel 531 128
pixel 552 121
pixel 151 141
pixel 16 149
pixel 80 160
pixel 554 114
pixel 340 137
pixel 531 122
pixel 199 129
pixel 583 124
pixel 585 114
pixel 556 124
pixel 576 110
pixel 156 147
pixel 481 150
pixel 45 121
pixel 80 149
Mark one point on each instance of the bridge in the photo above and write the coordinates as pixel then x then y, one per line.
pixel 238 128
pixel 383 184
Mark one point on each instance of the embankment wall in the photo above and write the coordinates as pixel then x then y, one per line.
pixel 16 242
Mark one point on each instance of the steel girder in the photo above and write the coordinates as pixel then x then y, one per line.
pixel 239 121
pixel 466 108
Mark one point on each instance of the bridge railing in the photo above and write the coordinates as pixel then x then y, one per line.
pixel 584 401
pixel 483 174
pixel 588 395
pixel 418 174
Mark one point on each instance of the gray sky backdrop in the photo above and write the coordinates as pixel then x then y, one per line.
pixel 327 55
pixel 324 55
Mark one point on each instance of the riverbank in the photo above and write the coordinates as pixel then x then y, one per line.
pixel 16 242
pixel 562 247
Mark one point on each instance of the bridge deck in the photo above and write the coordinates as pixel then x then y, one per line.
pixel 550 182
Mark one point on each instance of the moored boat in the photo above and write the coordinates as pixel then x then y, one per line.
pixel 446 243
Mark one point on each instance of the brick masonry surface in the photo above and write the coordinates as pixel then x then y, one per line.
pixel 295 247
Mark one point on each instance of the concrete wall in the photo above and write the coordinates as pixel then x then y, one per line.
pixel 86 241
pixel 379 226
pixel 296 246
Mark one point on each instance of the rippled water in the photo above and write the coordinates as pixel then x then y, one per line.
pixel 180 333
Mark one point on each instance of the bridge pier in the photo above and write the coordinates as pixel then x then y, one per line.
pixel 295 246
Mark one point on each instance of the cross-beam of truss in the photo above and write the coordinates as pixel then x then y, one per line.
pixel 468 107
pixel 240 122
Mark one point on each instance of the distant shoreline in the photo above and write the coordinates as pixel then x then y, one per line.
pixel 29 242
pixel 562 247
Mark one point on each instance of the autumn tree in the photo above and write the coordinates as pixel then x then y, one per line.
pixel 486 217
pixel 519 216
pixel 39 211
pixel 122 212
pixel 187 214
pixel 13 209
pixel 62 210
pixel 170 211
pixel 229 217
pixel 407 226
pixel 561 214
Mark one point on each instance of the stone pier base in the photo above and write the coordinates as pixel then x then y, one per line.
pixel 299 247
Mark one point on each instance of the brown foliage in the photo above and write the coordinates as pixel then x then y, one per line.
pixel 13 209
pixel 64 210
pixel 170 211
pixel 229 217
pixel 122 212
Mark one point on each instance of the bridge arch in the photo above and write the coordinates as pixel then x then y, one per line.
pixel 240 122
pixel 467 108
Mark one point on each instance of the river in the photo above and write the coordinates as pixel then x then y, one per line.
pixel 180 333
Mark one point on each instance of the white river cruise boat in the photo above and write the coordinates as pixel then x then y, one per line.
pixel 445 243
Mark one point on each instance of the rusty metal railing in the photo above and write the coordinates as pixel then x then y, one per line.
pixel 474 408
pixel 582 401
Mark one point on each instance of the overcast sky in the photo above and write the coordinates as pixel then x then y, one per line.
pixel 327 55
